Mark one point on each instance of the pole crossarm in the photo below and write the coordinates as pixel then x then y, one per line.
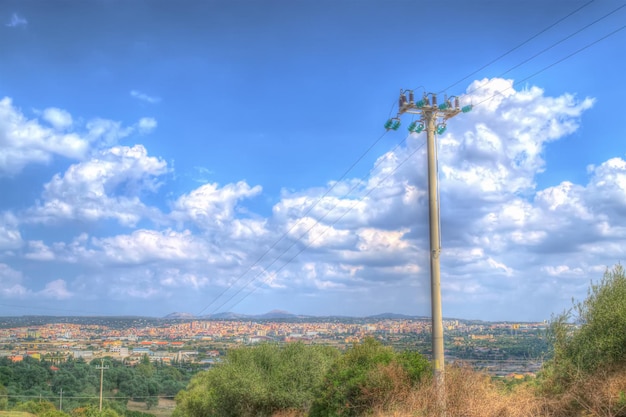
pixel 426 107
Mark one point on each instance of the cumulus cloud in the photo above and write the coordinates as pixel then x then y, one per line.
pixel 505 240
pixel 211 205
pixel 147 245
pixel 105 187
pixel 488 163
pixel 25 141
pixel 58 118
pixel 39 251
pixel 10 280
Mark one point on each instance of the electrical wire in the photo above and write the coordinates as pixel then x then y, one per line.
pixel 88 397
pixel 285 234
pixel 517 47
pixel 324 231
pixel 512 86
pixel 549 47
pixel 554 63
pixel 360 158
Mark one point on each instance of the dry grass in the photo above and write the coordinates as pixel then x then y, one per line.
pixel 165 408
pixel 468 394
pixel 16 414
pixel 474 394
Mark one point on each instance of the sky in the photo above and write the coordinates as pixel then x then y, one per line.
pixel 212 156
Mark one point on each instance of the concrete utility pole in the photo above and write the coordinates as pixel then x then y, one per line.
pixel 432 118
pixel 102 368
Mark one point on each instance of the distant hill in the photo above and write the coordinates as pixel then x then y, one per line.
pixel 392 316
pixel 270 315
pixel 179 316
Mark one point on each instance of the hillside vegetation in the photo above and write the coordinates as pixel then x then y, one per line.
pixel 586 375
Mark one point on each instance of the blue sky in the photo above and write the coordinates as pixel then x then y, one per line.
pixel 159 157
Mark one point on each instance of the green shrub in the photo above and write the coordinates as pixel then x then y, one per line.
pixel 368 375
pixel 257 381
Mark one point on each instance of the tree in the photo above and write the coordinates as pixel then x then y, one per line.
pixel 4 398
pixel 257 381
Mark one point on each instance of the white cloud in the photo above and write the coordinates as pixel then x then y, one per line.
pixel 39 251
pixel 104 187
pixel 58 118
pixel 16 21
pixel 57 290
pixel 505 240
pixel 10 282
pixel 103 133
pixel 146 125
pixel 144 97
pixel 10 236
pixel 209 205
pixel 148 245
pixel 25 141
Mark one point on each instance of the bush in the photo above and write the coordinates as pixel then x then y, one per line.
pixel 597 337
pixel 588 369
pixel 257 381
pixel 368 375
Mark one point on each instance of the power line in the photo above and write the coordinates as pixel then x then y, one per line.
pixel 322 233
pixel 308 245
pixel 88 397
pixel 555 63
pixel 550 47
pixel 350 168
pixel 518 46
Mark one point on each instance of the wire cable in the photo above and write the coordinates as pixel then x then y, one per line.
pixel 324 231
pixel 550 47
pixel 554 63
pixel 340 217
pixel 517 47
pixel 285 234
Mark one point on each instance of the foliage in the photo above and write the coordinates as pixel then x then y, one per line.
pixel 80 382
pixel 599 340
pixel 36 407
pixel 4 400
pixel 587 371
pixel 257 381
pixel 368 375
pixel 93 411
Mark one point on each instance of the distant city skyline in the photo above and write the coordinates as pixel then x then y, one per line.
pixel 230 156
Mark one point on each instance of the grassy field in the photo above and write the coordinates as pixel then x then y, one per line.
pixel 165 408
pixel 16 414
